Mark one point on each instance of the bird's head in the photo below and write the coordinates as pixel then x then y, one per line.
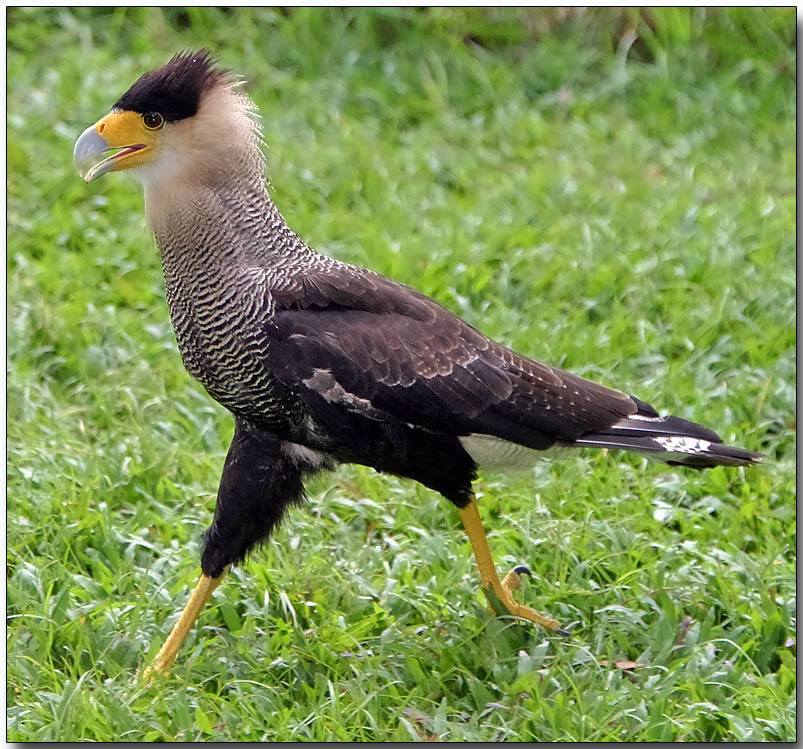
pixel 186 115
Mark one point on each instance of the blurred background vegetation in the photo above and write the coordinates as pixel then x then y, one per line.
pixel 611 190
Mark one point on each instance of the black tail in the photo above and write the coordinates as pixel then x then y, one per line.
pixel 668 438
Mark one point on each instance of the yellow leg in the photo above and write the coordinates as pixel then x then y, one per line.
pixel 503 590
pixel 167 655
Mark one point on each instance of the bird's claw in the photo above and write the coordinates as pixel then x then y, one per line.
pixel 501 601
pixel 512 580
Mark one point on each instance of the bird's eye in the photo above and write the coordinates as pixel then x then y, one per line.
pixel 153 120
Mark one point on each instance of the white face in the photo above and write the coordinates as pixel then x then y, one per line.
pixel 167 164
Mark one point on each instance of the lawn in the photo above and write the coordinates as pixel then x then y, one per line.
pixel 607 190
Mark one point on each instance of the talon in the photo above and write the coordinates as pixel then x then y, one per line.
pixel 512 580
pixel 501 602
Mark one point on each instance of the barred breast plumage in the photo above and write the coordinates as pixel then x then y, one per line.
pixel 217 307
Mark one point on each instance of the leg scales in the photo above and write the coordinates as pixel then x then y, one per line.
pixel 168 652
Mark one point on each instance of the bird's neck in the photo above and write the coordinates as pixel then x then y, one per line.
pixel 218 223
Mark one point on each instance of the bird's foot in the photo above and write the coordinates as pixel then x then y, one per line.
pixel 501 601
pixel 500 593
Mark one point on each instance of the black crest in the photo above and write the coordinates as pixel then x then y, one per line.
pixel 175 89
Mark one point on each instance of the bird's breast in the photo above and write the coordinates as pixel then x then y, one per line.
pixel 219 331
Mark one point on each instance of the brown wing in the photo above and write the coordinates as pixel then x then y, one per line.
pixel 378 348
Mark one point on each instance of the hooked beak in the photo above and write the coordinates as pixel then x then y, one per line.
pixel 121 132
pixel 91 146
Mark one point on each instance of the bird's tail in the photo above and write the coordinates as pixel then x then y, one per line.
pixel 670 439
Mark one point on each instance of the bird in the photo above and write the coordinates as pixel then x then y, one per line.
pixel 321 362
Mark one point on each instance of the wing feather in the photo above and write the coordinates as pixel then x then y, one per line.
pixel 392 353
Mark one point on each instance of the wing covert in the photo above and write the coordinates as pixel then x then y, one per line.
pixel 378 348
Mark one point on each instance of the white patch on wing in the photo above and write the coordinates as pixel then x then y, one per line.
pixel 684 445
pixel 324 382
pixel 495 454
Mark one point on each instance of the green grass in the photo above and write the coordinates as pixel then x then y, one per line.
pixel 608 191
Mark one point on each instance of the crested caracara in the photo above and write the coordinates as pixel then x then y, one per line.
pixel 321 362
